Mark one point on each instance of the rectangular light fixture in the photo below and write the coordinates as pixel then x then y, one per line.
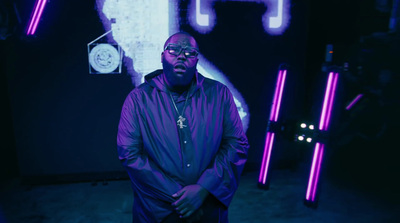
pixel 36 15
pixel 273 117
pixel 319 146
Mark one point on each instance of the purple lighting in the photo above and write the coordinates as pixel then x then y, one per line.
pixel 314 173
pixel 276 104
pixel 323 126
pixel 330 102
pixel 37 14
pixel 269 141
pixel 273 117
pixel 355 100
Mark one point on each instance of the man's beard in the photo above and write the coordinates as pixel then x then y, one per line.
pixel 178 81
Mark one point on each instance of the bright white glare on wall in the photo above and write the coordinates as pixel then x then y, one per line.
pixel 202 17
pixel 140 27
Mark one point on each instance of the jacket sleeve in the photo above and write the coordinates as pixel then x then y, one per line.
pixel 146 176
pixel 221 178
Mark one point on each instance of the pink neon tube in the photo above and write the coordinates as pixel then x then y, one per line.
pixel 314 173
pixel 36 16
pixel 266 157
pixel 325 104
pixel 276 103
pixel 355 100
pixel 276 94
pixel 330 102
pixel 323 125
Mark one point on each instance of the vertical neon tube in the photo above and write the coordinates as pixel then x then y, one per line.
pixel 273 108
pixel 323 126
pixel 330 102
pixel 325 104
pixel 266 157
pixel 37 14
pixel 278 103
pixel 274 114
pixel 314 173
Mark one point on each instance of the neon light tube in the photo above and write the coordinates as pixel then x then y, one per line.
pixel 330 102
pixel 278 104
pixel 355 100
pixel 314 173
pixel 325 104
pixel 274 113
pixel 39 6
pixel 266 157
pixel 274 101
pixel 34 15
pixel 323 126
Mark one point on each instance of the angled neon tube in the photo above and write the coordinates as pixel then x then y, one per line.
pixel 330 101
pixel 273 117
pixel 319 146
pixel 314 173
pixel 36 15
pixel 354 101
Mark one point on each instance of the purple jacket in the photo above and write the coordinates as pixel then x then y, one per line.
pixel 162 158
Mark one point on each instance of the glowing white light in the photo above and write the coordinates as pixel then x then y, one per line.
pixel 303 125
pixel 201 19
pixel 140 27
pixel 207 69
pixel 309 139
pixel 300 138
pixel 311 127
pixel 275 20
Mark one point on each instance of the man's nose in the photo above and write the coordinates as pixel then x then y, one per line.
pixel 182 55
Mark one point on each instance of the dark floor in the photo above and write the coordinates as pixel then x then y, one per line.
pixel 283 202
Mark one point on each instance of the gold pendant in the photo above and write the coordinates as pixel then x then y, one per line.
pixel 180 122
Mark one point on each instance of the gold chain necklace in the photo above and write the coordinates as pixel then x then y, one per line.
pixel 181 119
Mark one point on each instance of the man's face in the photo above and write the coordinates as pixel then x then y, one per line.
pixel 179 60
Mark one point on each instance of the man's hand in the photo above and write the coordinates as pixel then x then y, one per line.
pixel 190 198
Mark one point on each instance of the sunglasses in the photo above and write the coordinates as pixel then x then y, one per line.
pixel 176 50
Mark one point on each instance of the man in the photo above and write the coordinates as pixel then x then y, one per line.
pixel 181 140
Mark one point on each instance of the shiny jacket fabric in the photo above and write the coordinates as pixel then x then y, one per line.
pixel 161 158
